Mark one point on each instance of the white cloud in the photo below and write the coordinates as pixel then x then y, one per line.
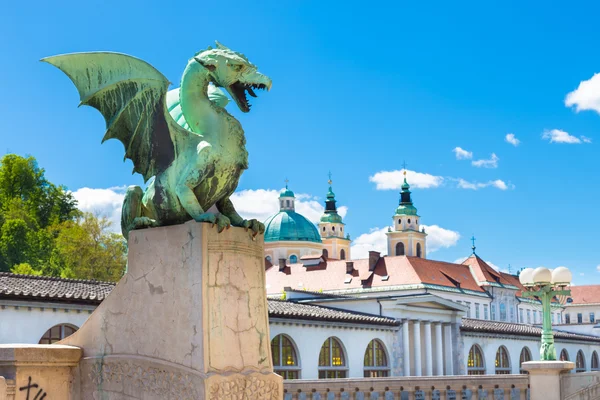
pixel 392 180
pixel 598 268
pixel 586 96
pixel 559 136
pixel 460 260
pixel 103 203
pixel 498 184
pixel 491 163
pixel 376 240
pixel 581 274
pixel 462 154
pixel 512 139
pixel 261 204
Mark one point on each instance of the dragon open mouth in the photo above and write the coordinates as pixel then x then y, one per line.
pixel 238 92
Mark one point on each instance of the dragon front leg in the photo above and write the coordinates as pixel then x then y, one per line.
pixel 225 207
pixel 188 200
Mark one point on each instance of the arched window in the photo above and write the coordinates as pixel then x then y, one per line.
pixel 285 359
pixel 502 361
pixel 399 222
pixel 323 229
pixel 333 228
pixel 293 259
pixel 399 249
pixel 268 258
pixel 376 360
pixel 332 360
pixel 409 220
pixel 418 249
pixel 475 363
pixel 595 366
pixel 564 355
pixel 525 356
pixel 57 333
pixel 325 253
pixel 580 362
pixel 342 254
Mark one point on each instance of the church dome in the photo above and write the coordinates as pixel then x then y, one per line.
pixel 288 225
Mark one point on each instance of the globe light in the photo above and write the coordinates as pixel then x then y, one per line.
pixel 542 275
pixel 526 277
pixel 561 275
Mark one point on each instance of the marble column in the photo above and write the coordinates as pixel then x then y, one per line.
pixel 417 346
pixel 439 355
pixel 448 349
pixel 428 349
pixel 405 348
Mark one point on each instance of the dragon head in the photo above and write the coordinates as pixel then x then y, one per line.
pixel 234 72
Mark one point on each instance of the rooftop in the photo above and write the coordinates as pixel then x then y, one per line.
pixel 44 288
pixel 585 294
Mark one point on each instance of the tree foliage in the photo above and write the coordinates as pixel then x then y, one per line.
pixel 43 232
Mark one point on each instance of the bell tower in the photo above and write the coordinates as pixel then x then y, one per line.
pixel 406 238
pixel 336 243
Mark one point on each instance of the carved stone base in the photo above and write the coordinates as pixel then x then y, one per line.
pixel 189 320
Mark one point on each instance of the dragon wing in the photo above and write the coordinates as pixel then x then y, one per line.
pixel 130 94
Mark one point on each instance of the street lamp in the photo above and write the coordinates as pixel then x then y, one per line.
pixel 545 285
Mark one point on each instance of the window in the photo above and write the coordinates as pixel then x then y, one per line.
pixel 342 254
pixel 418 249
pixel 564 355
pixel 493 309
pixel 268 258
pixel 399 222
pixel 399 249
pixel 325 253
pixel 475 364
pixel 559 318
pixel 512 314
pixel 375 363
pixel 534 316
pixel 529 316
pixel 485 311
pixel 293 259
pixel 287 203
pixel 416 221
pixel 579 362
pixel 332 361
pixel 285 360
pixel 579 318
pixel 502 361
pixel 477 310
pixel 468 304
pixel 333 228
pixel 567 318
pixel 57 333
pixel 595 361
pixel 525 356
pixel 521 319
pixel 502 312
pixel 592 318
pixel 323 229
pixel 409 220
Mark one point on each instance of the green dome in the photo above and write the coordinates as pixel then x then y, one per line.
pixel 286 193
pixel 289 225
pixel 406 209
pixel 331 218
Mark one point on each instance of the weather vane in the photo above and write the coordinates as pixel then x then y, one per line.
pixel 330 181
pixel 286 182
pixel 404 167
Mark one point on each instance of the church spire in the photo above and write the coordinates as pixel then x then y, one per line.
pixel 331 214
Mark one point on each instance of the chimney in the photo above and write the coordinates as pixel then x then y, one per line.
pixel 349 267
pixel 282 264
pixel 373 258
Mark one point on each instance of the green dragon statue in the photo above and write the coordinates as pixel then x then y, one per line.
pixel 184 138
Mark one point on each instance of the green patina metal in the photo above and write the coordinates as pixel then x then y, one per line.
pixel 183 139
pixel 406 206
pixel 288 225
pixel 331 215
pixel 545 293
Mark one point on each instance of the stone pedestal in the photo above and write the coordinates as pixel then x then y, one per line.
pixel 544 378
pixel 189 320
pixel 37 371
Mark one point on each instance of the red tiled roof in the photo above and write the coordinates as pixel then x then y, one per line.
pixel 388 271
pixel 483 272
pixel 585 294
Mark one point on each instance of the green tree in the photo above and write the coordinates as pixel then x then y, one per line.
pixel 87 249
pixel 24 269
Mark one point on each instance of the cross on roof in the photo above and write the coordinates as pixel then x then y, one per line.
pixel 286 182
pixel 330 181
pixel 473 240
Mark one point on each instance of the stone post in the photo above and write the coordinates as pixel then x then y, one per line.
pixel 439 355
pixel 448 349
pixel 428 349
pixel 405 348
pixel 544 378
pixel 417 346
pixel 189 320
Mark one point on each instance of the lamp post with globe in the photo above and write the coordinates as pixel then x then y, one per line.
pixel 546 285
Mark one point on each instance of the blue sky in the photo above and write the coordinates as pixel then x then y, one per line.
pixel 356 90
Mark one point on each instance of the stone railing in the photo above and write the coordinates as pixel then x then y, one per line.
pixel 580 386
pixel 465 387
